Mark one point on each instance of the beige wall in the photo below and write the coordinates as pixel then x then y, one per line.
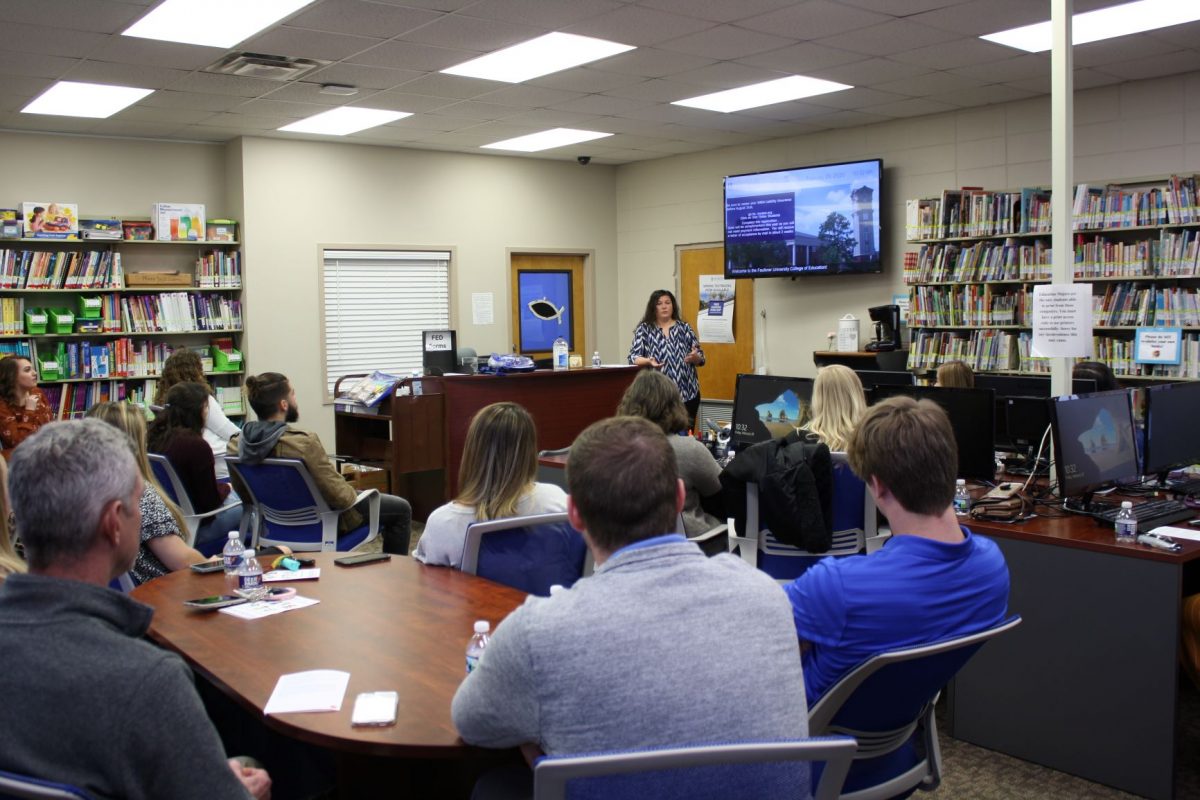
pixel 1135 130
pixel 299 194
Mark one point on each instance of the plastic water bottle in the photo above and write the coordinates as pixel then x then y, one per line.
pixel 1126 524
pixel 561 353
pixel 478 644
pixel 232 554
pixel 250 581
pixel 596 359
pixel 962 500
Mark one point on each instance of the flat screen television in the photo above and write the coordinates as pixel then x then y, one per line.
pixel 820 220
pixel 766 407
pixel 1094 445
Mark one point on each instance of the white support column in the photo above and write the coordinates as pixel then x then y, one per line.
pixel 1062 155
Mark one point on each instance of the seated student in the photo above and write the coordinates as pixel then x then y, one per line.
pixel 932 580
pixel 164 548
pixel 496 480
pixel 271 436
pixel 23 407
pixel 88 700
pixel 955 375
pixel 10 562
pixel 628 658
pixel 1097 371
pixel 183 366
pixel 655 397
pixel 838 403
pixel 175 433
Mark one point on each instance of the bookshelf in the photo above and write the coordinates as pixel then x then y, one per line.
pixel 981 253
pixel 100 317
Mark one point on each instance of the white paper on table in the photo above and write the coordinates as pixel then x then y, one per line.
pixel 310 574
pixel 1178 533
pixel 266 608
pixel 1062 320
pixel 315 690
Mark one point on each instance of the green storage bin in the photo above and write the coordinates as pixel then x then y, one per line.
pixel 226 362
pixel 88 306
pixel 62 320
pixel 36 320
pixel 49 369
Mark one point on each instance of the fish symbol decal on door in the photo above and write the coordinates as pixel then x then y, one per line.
pixel 544 309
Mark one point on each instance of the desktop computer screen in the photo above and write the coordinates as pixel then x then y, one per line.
pixel 769 406
pixel 876 377
pixel 1023 386
pixel 1172 436
pixel 1028 385
pixel 1093 441
pixel 972 415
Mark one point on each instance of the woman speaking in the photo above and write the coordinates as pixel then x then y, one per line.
pixel 663 341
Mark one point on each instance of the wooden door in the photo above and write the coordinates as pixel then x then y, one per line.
pixel 718 377
pixel 573 265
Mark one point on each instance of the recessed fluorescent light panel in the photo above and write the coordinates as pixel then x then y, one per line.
pixel 345 120
pixel 214 23
pixel 546 140
pixel 1104 23
pixel 541 56
pixel 74 99
pixel 763 94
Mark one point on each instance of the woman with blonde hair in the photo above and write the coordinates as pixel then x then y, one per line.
pixel 955 375
pixel 10 562
pixel 655 397
pixel 164 548
pixel 495 480
pixel 183 366
pixel 838 403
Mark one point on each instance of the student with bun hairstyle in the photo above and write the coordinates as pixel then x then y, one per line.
pixel 496 480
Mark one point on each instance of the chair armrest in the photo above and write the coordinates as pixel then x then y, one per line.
pixel 373 501
pixel 216 510
pixel 747 546
pixel 711 533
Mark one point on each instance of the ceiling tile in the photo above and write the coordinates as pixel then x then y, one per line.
pixel 178 116
pixel 891 37
pixel 858 97
pixel 727 75
pixel 717 10
pixel 985 16
pixel 456 86
pixel 410 55
pixel 814 19
pixel 17 84
pixel 285 41
pixel 362 77
pixel 1093 78
pixel 914 107
pixel 209 83
pixel 554 118
pixel 847 119
pixel 33 65
pixel 1029 65
pixel 49 40
pixel 955 53
pixel 529 96
pixel 1155 66
pixel 540 14
pixel 930 83
pixel 638 26
pixel 257 122
pixel 1122 48
pixel 117 126
pixel 1181 35
pixel 585 80
pixel 870 72
pixel 658 90
pixel 642 127
pixel 473 109
pixel 305 92
pixel 433 5
pixel 362 18
pixel 901 8
pixel 801 59
pixel 191 100
pixel 200 133
pixel 397 100
pixel 101 16
pixel 124 74
pixel 41 122
pixel 983 95
pixel 132 50
pixel 600 104
pixel 10 103
pixel 726 42
pixel 279 108
pixel 794 110
pixel 435 122
pixel 472 33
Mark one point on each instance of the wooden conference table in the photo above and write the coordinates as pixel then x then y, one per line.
pixel 1087 684
pixel 397 625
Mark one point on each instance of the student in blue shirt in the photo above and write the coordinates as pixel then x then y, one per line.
pixel 933 580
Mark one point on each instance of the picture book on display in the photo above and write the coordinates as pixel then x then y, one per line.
pixel 46 220
pixel 368 392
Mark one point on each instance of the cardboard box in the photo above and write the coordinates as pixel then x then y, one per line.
pixel 221 230
pixel 178 222
pixel 363 477
pixel 134 279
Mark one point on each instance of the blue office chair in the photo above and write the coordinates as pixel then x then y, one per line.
pixel 23 787
pixel 170 482
pixel 886 703
pixel 750 770
pixel 290 510
pixel 854 522
pixel 529 553
pixel 123 583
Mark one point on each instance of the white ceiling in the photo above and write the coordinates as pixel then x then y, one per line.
pixel 905 58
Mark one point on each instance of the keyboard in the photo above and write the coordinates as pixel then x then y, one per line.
pixel 1188 487
pixel 1152 513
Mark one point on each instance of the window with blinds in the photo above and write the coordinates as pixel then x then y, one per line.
pixel 376 304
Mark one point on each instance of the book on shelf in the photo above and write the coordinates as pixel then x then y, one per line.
pixel 366 394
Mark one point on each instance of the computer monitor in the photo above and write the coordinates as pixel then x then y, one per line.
pixel 1172 436
pixel 1028 385
pixel 877 377
pixel 769 406
pixel 1025 420
pixel 1094 444
pixel 972 415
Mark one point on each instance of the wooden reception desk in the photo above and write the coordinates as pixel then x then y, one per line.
pixel 420 438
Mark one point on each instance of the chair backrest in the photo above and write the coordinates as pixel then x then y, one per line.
pixel 169 480
pixel 288 503
pixel 721 772
pixel 24 787
pixel 528 553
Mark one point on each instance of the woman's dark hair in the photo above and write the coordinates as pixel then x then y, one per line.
pixel 655 397
pixel 1097 371
pixel 184 411
pixel 652 314
pixel 9 369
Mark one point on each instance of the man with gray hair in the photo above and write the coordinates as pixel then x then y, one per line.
pixel 87 701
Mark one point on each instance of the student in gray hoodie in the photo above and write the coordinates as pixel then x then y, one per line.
pixel 274 401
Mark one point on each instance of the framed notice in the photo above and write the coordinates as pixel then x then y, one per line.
pixel 1157 345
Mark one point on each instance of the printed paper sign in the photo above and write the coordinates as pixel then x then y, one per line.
pixel 714 323
pixel 1062 320
pixel 1158 346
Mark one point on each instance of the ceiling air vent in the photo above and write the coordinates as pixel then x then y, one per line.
pixel 261 65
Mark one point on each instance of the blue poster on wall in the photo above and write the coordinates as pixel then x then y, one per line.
pixel 544 299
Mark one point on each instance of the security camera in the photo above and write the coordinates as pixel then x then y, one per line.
pixel 583 160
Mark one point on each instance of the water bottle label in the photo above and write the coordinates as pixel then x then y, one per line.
pixel 251 581
pixel 962 506
pixel 472 663
pixel 232 562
